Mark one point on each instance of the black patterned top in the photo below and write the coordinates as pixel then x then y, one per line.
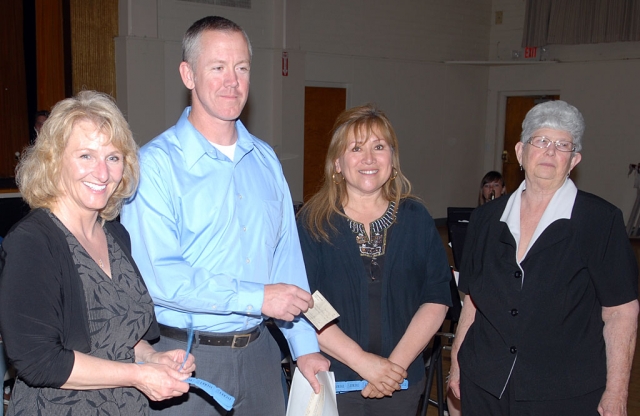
pixel 120 311
pixel 372 248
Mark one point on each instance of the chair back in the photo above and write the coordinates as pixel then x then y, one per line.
pixel 457 223
pixel 453 313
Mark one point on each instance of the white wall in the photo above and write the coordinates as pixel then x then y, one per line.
pixel 448 117
pixel 606 94
pixel 389 53
pixel 601 80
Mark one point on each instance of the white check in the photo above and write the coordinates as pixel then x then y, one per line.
pixel 322 312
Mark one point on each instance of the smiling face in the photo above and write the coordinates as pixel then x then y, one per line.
pixel 91 170
pixel 366 165
pixel 548 167
pixel 219 77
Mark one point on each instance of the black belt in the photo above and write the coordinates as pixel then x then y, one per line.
pixel 233 341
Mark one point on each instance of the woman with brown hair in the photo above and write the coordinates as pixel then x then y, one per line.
pixel 374 253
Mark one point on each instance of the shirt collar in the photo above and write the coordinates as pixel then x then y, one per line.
pixel 195 145
pixel 560 207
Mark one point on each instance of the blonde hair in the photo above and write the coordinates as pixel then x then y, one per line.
pixel 38 172
pixel 363 122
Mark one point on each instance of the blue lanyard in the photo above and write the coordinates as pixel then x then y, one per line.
pixel 357 385
pixel 223 398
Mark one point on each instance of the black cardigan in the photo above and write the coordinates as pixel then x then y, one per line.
pixel 416 271
pixel 43 311
pixel 551 321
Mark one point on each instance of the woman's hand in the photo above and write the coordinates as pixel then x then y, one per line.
pixel 454 381
pixel 612 404
pixel 174 360
pixel 384 376
pixel 370 392
pixel 145 353
pixel 160 382
pixel 467 317
pixel 160 374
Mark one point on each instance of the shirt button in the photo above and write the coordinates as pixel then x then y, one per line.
pixel 249 308
pixel 517 274
pixel 239 196
pixel 248 261
pixel 514 312
pixel 244 228
pixel 513 350
pixel 214 307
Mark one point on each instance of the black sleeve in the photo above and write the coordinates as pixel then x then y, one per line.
pixel 613 266
pixel 31 309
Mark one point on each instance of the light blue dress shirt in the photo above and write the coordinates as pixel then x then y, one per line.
pixel 208 233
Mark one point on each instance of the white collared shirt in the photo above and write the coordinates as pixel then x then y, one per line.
pixel 559 207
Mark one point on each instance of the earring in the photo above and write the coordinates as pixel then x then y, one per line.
pixel 333 178
pixel 394 174
pixel 521 167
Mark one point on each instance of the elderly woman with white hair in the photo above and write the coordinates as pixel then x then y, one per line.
pixel 549 323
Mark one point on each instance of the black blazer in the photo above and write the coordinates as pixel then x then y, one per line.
pixel 550 316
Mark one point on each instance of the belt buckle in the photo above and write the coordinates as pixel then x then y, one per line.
pixel 240 341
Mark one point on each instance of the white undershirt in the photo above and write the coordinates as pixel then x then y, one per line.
pixel 228 151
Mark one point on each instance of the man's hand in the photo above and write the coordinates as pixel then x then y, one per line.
pixel 284 301
pixel 310 365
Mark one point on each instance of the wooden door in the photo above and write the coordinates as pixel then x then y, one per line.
pixel 321 108
pixel 517 108
pixel 14 125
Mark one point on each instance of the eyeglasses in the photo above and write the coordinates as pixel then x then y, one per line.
pixel 543 142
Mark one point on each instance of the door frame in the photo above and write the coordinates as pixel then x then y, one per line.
pixel 496 162
pixel 322 84
pixel 347 87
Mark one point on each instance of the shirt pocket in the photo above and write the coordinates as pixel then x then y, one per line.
pixel 272 222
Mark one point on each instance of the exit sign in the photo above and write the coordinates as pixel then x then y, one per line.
pixel 530 52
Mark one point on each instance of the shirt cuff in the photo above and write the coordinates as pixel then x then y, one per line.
pixel 250 298
pixel 302 339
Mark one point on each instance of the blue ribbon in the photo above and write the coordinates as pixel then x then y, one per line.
pixel 223 398
pixel 358 385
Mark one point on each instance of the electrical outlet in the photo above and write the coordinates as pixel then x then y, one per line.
pixel 499 18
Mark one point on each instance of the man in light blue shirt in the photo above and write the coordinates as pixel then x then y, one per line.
pixel 214 235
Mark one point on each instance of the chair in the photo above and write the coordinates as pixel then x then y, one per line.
pixel 433 355
pixel 457 223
